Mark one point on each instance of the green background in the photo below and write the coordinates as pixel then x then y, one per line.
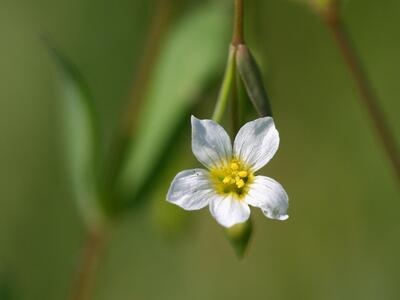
pixel 342 238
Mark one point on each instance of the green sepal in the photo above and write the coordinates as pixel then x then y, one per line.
pixel 239 236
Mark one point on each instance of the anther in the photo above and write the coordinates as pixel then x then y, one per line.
pixel 227 180
pixel 240 183
pixel 234 166
pixel 243 174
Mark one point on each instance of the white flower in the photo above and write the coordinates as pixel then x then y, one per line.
pixel 230 185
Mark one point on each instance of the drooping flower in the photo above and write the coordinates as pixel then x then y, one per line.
pixel 230 185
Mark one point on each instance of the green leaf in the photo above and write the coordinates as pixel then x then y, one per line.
pixel 193 54
pixel 80 135
pixel 239 236
pixel 252 79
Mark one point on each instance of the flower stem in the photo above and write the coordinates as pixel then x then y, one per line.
pixel 227 84
pixel 229 81
pixel 83 284
pixel 368 96
pixel 238 31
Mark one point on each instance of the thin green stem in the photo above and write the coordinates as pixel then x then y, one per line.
pixel 235 108
pixel 238 26
pixel 83 284
pixel 229 81
pixel 226 87
pixel 158 28
pixel 123 135
pixel 367 94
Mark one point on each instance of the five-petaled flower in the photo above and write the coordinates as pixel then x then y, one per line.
pixel 230 184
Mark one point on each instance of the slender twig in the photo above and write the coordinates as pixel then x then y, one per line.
pixel 229 81
pixel 86 270
pixel 368 96
pixel 238 31
pixel 158 28
pixel 157 31
pixel 237 39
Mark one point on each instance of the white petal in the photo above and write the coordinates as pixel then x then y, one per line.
pixel 269 195
pixel 210 143
pixel 257 142
pixel 229 210
pixel 191 189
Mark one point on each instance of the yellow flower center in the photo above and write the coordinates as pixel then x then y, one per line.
pixel 233 178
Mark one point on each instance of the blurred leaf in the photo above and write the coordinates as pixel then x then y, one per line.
pixel 252 79
pixel 239 236
pixel 7 289
pixel 193 54
pixel 80 135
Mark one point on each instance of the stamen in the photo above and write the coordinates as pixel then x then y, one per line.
pixel 234 166
pixel 243 174
pixel 227 180
pixel 240 183
pixel 233 178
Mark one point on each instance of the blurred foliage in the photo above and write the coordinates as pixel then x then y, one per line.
pixel 80 135
pixel 7 288
pixel 189 60
pixel 340 242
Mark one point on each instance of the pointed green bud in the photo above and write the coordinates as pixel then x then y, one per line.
pixel 252 79
pixel 239 236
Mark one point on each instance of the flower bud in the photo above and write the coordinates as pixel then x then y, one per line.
pixel 239 236
pixel 252 79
